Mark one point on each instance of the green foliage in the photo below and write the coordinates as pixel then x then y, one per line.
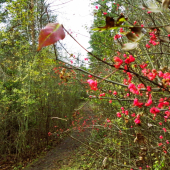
pixel 31 91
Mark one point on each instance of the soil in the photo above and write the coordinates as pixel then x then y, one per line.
pixel 64 154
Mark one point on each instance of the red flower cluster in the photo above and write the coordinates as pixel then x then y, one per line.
pixel 149 102
pixel 129 59
pixel 154 110
pixel 163 103
pixel 137 103
pixel 133 89
pixel 117 36
pixel 93 84
pixel 137 120
pixel 153 39
pixel 149 74
pixel 118 61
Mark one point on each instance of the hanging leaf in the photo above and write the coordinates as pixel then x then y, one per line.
pixel 164 39
pixel 152 7
pixel 104 162
pixel 120 20
pixel 130 46
pixel 168 29
pixel 165 4
pixel 50 35
pixel 136 30
pixel 110 23
pixel 131 36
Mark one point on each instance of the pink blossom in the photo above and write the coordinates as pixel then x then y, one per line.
pixel 118 114
pixel 110 101
pixel 122 108
pixel 149 12
pixel 126 112
pixel 160 123
pixel 102 94
pixel 142 25
pixel 96 7
pixel 115 92
pixel 93 84
pixel 143 65
pixel 149 102
pixel 161 137
pixel 140 86
pixel 90 76
pixel 148 46
pixel 137 103
pixel 135 22
pixel 129 59
pixel 137 121
pixel 49 133
pixel 130 77
pixel 108 121
pixel 105 13
pixel 121 30
pixel 164 129
pixel 160 144
pixel 117 36
pixel 133 88
pixel 154 110
pixel 148 88
pixel 118 61
pixel 133 114
pixel 167 141
pixel 160 73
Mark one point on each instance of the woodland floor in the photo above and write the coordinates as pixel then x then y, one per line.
pixel 63 155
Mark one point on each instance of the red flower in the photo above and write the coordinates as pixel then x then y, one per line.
pixel 161 137
pixel 137 121
pixel 149 102
pixel 115 92
pixel 154 110
pixel 118 114
pixel 137 103
pixel 133 88
pixel 129 59
pixel 164 129
pixel 93 84
pixel 118 61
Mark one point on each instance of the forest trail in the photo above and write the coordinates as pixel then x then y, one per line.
pixel 63 155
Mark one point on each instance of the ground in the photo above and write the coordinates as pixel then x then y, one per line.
pixel 64 154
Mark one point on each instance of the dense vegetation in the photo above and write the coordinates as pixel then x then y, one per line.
pixel 31 89
pixel 127 81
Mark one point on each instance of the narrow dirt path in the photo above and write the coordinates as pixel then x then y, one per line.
pixel 63 154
